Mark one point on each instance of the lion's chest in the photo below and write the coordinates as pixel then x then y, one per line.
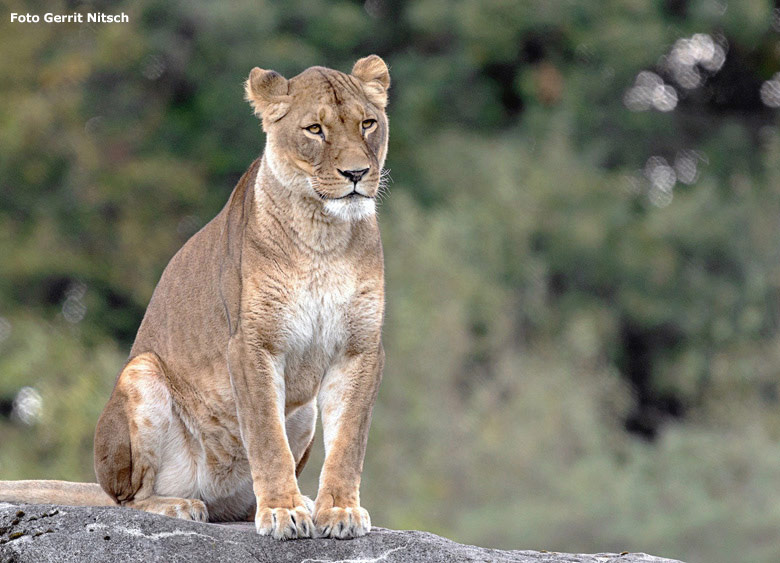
pixel 316 318
pixel 315 327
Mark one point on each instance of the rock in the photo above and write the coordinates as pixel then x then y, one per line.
pixel 43 533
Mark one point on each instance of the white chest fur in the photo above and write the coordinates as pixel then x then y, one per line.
pixel 316 319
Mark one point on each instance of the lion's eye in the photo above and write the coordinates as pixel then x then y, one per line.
pixel 368 124
pixel 315 128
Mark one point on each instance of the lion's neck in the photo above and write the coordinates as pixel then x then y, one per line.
pixel 301 217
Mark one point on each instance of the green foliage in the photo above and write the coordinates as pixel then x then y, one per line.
pixel 576 360
pixel 73 381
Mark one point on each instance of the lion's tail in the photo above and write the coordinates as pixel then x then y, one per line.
pixel 54 492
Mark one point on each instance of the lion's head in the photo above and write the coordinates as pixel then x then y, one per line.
pixel 326 132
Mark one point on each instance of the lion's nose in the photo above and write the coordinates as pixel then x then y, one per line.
pixel 353 176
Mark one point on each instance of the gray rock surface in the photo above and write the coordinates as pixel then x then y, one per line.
pixel 43 533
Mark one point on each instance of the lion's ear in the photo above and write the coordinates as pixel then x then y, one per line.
pixel 372 71
pixel 266 91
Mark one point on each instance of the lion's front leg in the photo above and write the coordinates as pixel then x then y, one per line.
pixel 258 389
pixel 346 400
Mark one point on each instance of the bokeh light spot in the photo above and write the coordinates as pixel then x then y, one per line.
pixel 649 91
pixel 28 405
pixel 770 92
pixel 74 309
pixel 154 67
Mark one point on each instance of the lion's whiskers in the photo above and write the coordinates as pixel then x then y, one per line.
pixel 384 185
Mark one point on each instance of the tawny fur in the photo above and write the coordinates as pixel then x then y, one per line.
pixel 274 308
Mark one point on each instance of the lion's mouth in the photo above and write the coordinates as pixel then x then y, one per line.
pixel 352 194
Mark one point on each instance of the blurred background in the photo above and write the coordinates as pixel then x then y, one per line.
pixel 582 244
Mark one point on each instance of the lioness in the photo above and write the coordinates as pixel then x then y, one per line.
pixel 271 309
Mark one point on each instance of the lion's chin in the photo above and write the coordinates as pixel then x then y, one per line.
pixel 351 208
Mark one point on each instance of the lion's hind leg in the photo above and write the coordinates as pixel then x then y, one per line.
pixel 135 426
pixel 184 508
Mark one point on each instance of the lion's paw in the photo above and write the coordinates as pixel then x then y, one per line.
pixel 342 523
pixel 184 508
pixel 284 523
pixel 191 509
